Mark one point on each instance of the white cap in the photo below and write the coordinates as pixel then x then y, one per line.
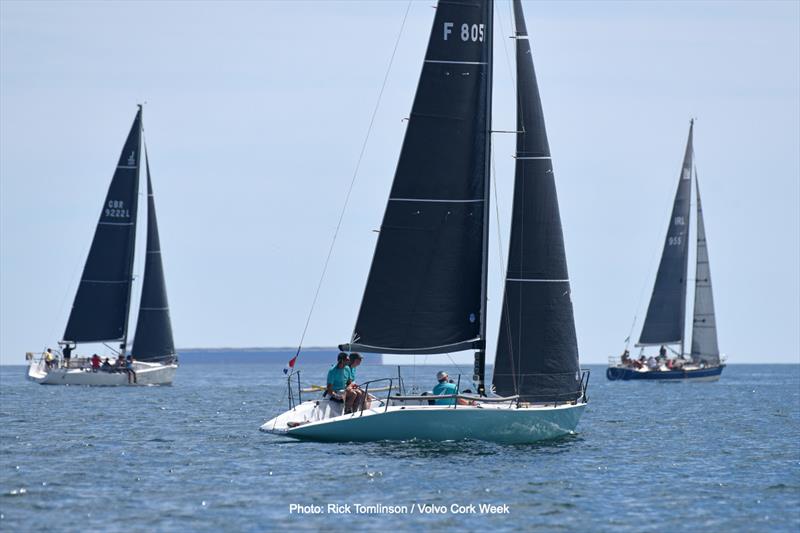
pixel 441 375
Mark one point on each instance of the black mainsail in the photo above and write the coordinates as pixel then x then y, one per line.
pixel 102 303
pixel 426 288
pixel 704 324
pixel 666 314
pixel 537 349
pixel 153 338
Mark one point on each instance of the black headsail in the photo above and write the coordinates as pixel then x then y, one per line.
pixel 666 314
pixel 704 327
pixel 101 306
pixel 153 339
pixel 537 350
pixel 426 287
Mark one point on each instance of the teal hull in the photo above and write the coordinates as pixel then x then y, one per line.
pixel 506 425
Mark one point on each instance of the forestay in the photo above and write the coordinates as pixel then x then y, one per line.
pixel 666 314
pixel 537 350
pixel 101 306
pixel 425 287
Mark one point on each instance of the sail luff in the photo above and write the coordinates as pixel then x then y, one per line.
pixel 704 323
pixel 424 289
pixel 153 338
pixel 537 351
pixel 102 302
pixel 666 312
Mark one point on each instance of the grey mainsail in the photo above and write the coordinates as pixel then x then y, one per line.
pixel 426 288
pixel 704 324
pixel 666 314
pixel 102 303
pixel 153 338
pixel 537 349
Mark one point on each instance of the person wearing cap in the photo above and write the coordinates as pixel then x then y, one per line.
pixel 354 396
pixel 443 388
pixel 338 376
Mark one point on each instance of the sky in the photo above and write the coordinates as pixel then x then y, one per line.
pixel 256 113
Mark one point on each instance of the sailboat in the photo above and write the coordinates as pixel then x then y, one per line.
pixel 427 287
pixel 664 323
pixel 102 303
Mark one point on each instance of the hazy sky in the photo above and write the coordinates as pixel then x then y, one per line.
pixel 256 112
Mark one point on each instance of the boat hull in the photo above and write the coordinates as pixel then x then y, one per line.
pixel 146 374
pixel 615 373
pixel 508 425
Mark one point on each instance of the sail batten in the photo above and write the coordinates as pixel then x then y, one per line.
pixel 424 289
pixel 153 340
pixel 666 312
pixel 102 303
pixel 537 350
pixel 704 325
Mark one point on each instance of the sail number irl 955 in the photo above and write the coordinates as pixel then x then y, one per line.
pixel 469 32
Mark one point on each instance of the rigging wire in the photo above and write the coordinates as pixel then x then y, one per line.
pixel 352 182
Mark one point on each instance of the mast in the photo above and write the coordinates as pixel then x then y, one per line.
pixel 480 355
pixel 426 289
pixel 666 314
pixel 537 349
pixel 123 346
pixel 102 302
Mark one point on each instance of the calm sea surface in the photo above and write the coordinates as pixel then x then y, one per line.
pixel 648 457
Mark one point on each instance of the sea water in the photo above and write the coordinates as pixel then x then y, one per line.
pixel 647 456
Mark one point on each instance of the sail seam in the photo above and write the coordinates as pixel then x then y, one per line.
pixel 103 281
pixel 455 62
pixel 115 223
pixel 539 280
pixel 127 166
pixel 434 200
pixel 154 309
pixel 531 157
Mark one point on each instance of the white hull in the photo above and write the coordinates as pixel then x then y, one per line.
pixel 146 374
pixel 321 420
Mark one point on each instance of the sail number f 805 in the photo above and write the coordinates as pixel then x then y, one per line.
pixel 469 32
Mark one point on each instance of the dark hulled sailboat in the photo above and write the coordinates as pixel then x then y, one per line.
pixel 426 290
pixel 102 303
pixel 665 320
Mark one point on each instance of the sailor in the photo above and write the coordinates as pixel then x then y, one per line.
pixel 129 369
pixel 338 376
pixel 354 396
pixel 48 358
pixel 67 352
pixel 626 357
pixel 95 363
pixel 662 352
pixel 106 367
pixel 652 364
pixel 444 387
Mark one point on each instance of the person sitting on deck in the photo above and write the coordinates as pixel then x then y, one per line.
pixel 446 387
pixel 626 358
pixel 652 364
pixel 95 363
pixel 119 366
pixel 354 395
pixel 106 366
pixel 338 375
pixel 129 369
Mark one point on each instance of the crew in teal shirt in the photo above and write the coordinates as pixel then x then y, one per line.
pixel 444 387
pixel 338 375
